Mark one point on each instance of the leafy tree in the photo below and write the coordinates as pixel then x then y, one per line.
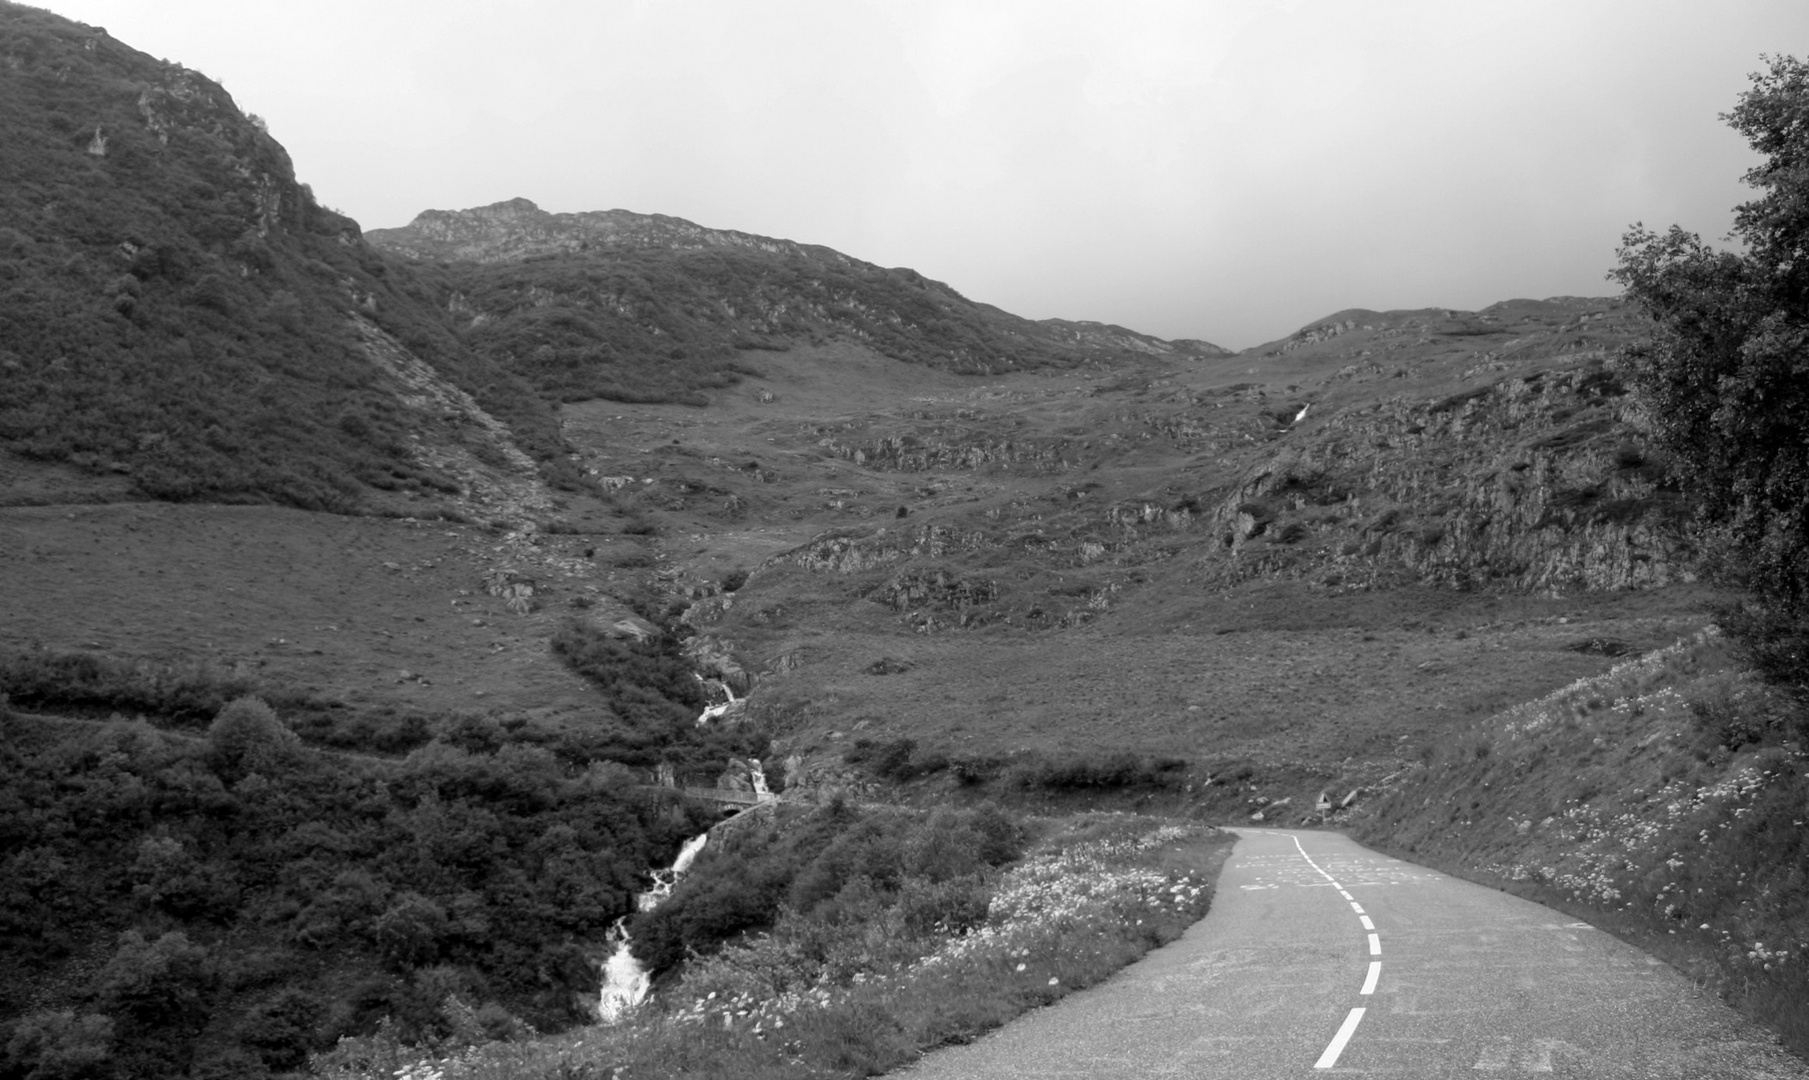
pixel 1725 375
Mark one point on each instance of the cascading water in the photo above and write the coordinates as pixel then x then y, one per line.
pixel 714 711
pixel 625 981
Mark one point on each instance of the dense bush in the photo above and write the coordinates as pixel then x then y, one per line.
pixel 895 759
pixel 185 694
pixel 655 698
pixel 1102 772
pixel 833 865
pixel 260 900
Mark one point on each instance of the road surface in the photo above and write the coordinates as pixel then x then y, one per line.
pixel 1323 958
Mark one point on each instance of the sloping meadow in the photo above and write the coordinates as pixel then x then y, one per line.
pixel 1664 801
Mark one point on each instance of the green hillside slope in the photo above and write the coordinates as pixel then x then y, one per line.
pixel 178 311
pixel 645 307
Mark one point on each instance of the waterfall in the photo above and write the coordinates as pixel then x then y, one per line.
pixel 712 712
pixel 625 981
pixel 757 774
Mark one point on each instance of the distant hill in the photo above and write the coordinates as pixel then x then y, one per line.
pixel 179 314
pixel 645 307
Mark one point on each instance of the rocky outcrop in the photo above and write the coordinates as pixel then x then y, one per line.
pixel 715 658
pixel 939 452
pixel 518 229
pixel 1529 482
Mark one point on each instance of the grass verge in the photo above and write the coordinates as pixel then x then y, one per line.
pixel 866 993
pixel 1664 801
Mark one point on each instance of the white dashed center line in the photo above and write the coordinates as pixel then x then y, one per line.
pixel 1349 1027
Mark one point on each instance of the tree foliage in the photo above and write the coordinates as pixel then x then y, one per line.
pixel 1725 375
pixel 226 905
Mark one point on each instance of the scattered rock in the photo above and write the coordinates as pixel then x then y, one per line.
pixel 887 665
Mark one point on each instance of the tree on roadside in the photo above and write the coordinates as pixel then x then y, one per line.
pixel 1725 376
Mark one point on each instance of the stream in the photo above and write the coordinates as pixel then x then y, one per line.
pixel 626 982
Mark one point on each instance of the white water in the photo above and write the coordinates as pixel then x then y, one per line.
pixel 714 711
pixel 757 774
pixel 625 981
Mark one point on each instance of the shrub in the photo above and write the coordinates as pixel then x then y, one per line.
pixel 60 1045
pixel 246 737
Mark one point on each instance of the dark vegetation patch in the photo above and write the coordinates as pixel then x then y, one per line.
pixel 259 899
pixel 229 904
pixel 1116 771
pixel 896 760
pixel 834 864
pixel 654 698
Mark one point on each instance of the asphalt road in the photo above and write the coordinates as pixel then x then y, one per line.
pixel 1321 957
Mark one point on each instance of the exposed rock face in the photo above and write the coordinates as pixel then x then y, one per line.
pixel 939 451
pixel 714 657
pixel 935 599
pixel 1527 482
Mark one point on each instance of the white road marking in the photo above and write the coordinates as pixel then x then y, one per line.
pixel 1336 1046
pixel 1349 1028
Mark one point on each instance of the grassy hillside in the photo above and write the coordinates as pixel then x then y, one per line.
pixel 177 311
pixel 1663 800
pixel 637 307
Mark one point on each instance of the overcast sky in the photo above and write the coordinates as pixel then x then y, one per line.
pixel 1223 169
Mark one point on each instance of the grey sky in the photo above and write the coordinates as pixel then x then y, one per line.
pixel 1225 169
